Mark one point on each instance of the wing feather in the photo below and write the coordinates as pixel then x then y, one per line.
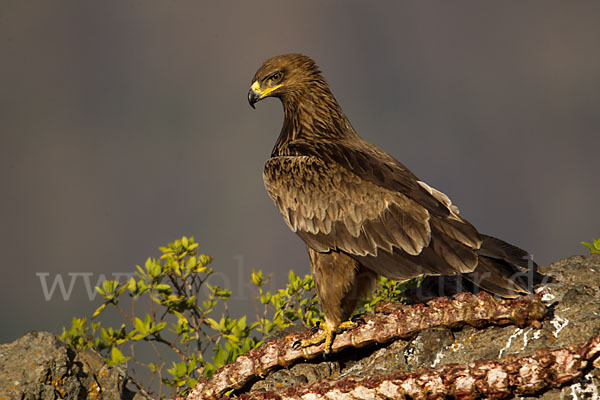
pixel 314 198
pixel 333 209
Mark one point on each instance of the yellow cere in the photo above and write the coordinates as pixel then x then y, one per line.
pixel 255 87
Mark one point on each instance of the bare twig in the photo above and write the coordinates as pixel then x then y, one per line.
pixel 139 387
pixel 157 338
pixel 123 313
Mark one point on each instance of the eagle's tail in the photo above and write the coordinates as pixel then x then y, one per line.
pixel 504 269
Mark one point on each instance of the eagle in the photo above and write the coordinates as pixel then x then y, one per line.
pixel 360 212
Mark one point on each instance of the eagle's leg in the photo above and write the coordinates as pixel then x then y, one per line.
pixel 327 334
pixel 340 282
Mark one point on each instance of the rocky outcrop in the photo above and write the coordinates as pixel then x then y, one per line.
pixel 545 346
pixel 39 366
pixel 557 358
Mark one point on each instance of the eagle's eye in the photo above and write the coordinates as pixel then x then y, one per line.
pixel 276 77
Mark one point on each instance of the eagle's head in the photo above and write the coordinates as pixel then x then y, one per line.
pixel 283 75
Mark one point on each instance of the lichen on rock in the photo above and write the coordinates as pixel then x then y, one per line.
pixel 38 366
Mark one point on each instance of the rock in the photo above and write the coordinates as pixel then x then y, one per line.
pixel 297 375
pixel 573 299
pixel 39 366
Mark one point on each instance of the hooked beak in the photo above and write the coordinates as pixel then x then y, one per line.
pixel 256 93
pixel 253 96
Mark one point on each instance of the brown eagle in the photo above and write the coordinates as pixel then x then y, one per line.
pixel 361 212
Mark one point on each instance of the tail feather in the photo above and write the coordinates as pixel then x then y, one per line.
pixel 504 269
pixel 499 277
pixel 496 248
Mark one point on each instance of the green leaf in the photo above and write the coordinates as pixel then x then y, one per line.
pixel 192 382
pixel 99 290
pixel 108 287
pixel 99 310
pixel 141 273
pixel 205 260
pixel 132 285
pixel 232 338
pixel 140 327
pixel 265 299
pixel 117 357
pixel 159 327
pixel 163 287
pixel 594 247
pixel 257 278
pixel 153 268
pixel 220 356
pixel 190 263
pixel 137 336
pixel 213 324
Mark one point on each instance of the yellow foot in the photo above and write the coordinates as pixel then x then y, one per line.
pixel 327 334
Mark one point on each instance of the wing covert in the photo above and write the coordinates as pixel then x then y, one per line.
pixel 332 208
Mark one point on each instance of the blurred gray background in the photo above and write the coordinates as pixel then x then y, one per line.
pixel 125 124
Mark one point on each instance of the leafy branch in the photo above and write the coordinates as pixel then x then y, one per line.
pixel 184 326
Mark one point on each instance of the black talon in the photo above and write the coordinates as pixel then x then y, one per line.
pixel 315 328
pixel 358 319
pixel 296 345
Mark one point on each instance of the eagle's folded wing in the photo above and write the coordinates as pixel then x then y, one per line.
pixel 334 209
